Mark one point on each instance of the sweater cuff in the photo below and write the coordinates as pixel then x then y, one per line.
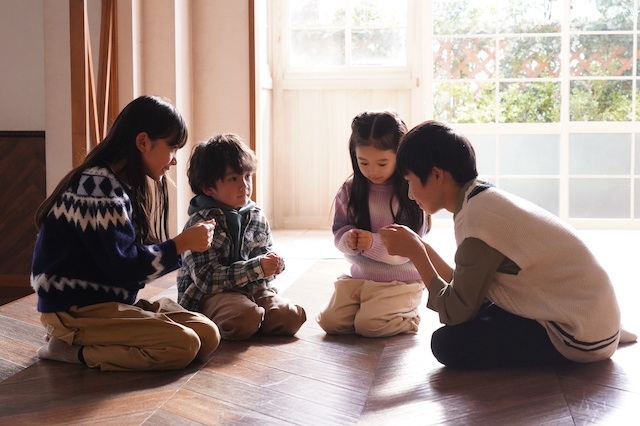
pixel 377 249
pixel 436 287
pixel 170 258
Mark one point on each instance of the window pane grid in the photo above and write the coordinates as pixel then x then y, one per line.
pixel 587 74
pixel 338 35
pixel 535 84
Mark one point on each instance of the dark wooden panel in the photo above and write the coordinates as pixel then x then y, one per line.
pixel 22 189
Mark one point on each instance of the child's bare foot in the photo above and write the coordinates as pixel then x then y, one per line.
pixel 58 350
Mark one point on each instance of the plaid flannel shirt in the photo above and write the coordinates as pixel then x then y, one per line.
pixel 211 271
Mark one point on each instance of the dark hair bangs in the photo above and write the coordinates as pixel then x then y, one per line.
pixel 177 137
pixel 247 163
pixel 404 159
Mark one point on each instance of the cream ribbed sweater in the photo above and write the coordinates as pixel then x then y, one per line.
pixel 560 283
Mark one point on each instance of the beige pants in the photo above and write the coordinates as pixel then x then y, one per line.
pixel 239 316
pixel 372 309
pixel 146 336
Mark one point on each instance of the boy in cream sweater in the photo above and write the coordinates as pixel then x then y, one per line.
pixel 525 289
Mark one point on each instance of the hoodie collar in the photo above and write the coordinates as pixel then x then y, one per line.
pixel 202 201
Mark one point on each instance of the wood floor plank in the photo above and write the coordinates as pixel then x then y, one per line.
pixel 57 390
pixel 132 411
pixel 460 393
pixel 268 402
pixel 9 369
pixel 126 419
pixel 343 375
pixel 345 352
pixel 551 411
pixel 22 331
pixel 599 404
pixel 622 371
pixel 189 408
pixel 320 391
pixel 20 353
pixel 24 309
pixel 310 379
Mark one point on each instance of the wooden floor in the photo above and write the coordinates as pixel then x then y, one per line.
pixel 311 379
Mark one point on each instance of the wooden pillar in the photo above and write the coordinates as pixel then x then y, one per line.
pixel 93 106
pixel 79 93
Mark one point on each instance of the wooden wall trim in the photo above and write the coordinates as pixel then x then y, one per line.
pixel 252 76
pixel 108 105
pixel 94 105
pixel 79 97
pixel 21 134
pixel 253 107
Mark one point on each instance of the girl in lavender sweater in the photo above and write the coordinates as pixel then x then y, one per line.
pixel 382 294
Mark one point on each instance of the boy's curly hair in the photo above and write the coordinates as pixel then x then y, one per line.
pixel 210 160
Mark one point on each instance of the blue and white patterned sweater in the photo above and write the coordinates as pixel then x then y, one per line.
pixel 87 251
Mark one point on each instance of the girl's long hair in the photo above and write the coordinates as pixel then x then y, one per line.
pixel 382 130
pixel 159 119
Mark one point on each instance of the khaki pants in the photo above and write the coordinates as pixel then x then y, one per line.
pixel 239 316
pixel 146 336
pixel 372 309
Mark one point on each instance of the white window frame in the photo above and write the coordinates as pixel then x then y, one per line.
pixel 343 76
pixel 417 77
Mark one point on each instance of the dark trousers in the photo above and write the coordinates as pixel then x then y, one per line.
pixel 494 338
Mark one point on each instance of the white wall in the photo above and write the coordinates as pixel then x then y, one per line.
pixel 194 52
pixel 57 105
pixel 220 34
pixel 22 47
pixel 311 157
pixel 264 104
pixel 220 66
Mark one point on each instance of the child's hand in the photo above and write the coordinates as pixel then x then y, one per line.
pixel 352 239
pixel 365 239
pixel 196 238
pixel 271 264
pixel 359 239
pixel 400 240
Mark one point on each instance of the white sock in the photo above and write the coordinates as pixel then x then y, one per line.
pixel 58 350
pixel 627 337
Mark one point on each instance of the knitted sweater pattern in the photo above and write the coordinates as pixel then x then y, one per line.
pixel 87 250
pixel 374 264
pixel 560 283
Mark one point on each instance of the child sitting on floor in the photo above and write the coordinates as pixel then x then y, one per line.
pixel 231 281
pixel 525 289
pixel 382 294
pixel 99 243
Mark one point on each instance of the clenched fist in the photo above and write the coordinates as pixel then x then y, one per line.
pixel 196 238
pixel 272 264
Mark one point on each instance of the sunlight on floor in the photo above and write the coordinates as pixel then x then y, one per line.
pixel 617 250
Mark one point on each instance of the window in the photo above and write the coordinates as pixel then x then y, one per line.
pixel 601 60
pixel 341 34
pixel 496 62
pixel 546 90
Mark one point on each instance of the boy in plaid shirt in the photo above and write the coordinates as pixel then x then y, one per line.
pixel 231 281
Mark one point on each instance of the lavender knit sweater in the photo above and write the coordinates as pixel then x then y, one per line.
pixel 375 264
